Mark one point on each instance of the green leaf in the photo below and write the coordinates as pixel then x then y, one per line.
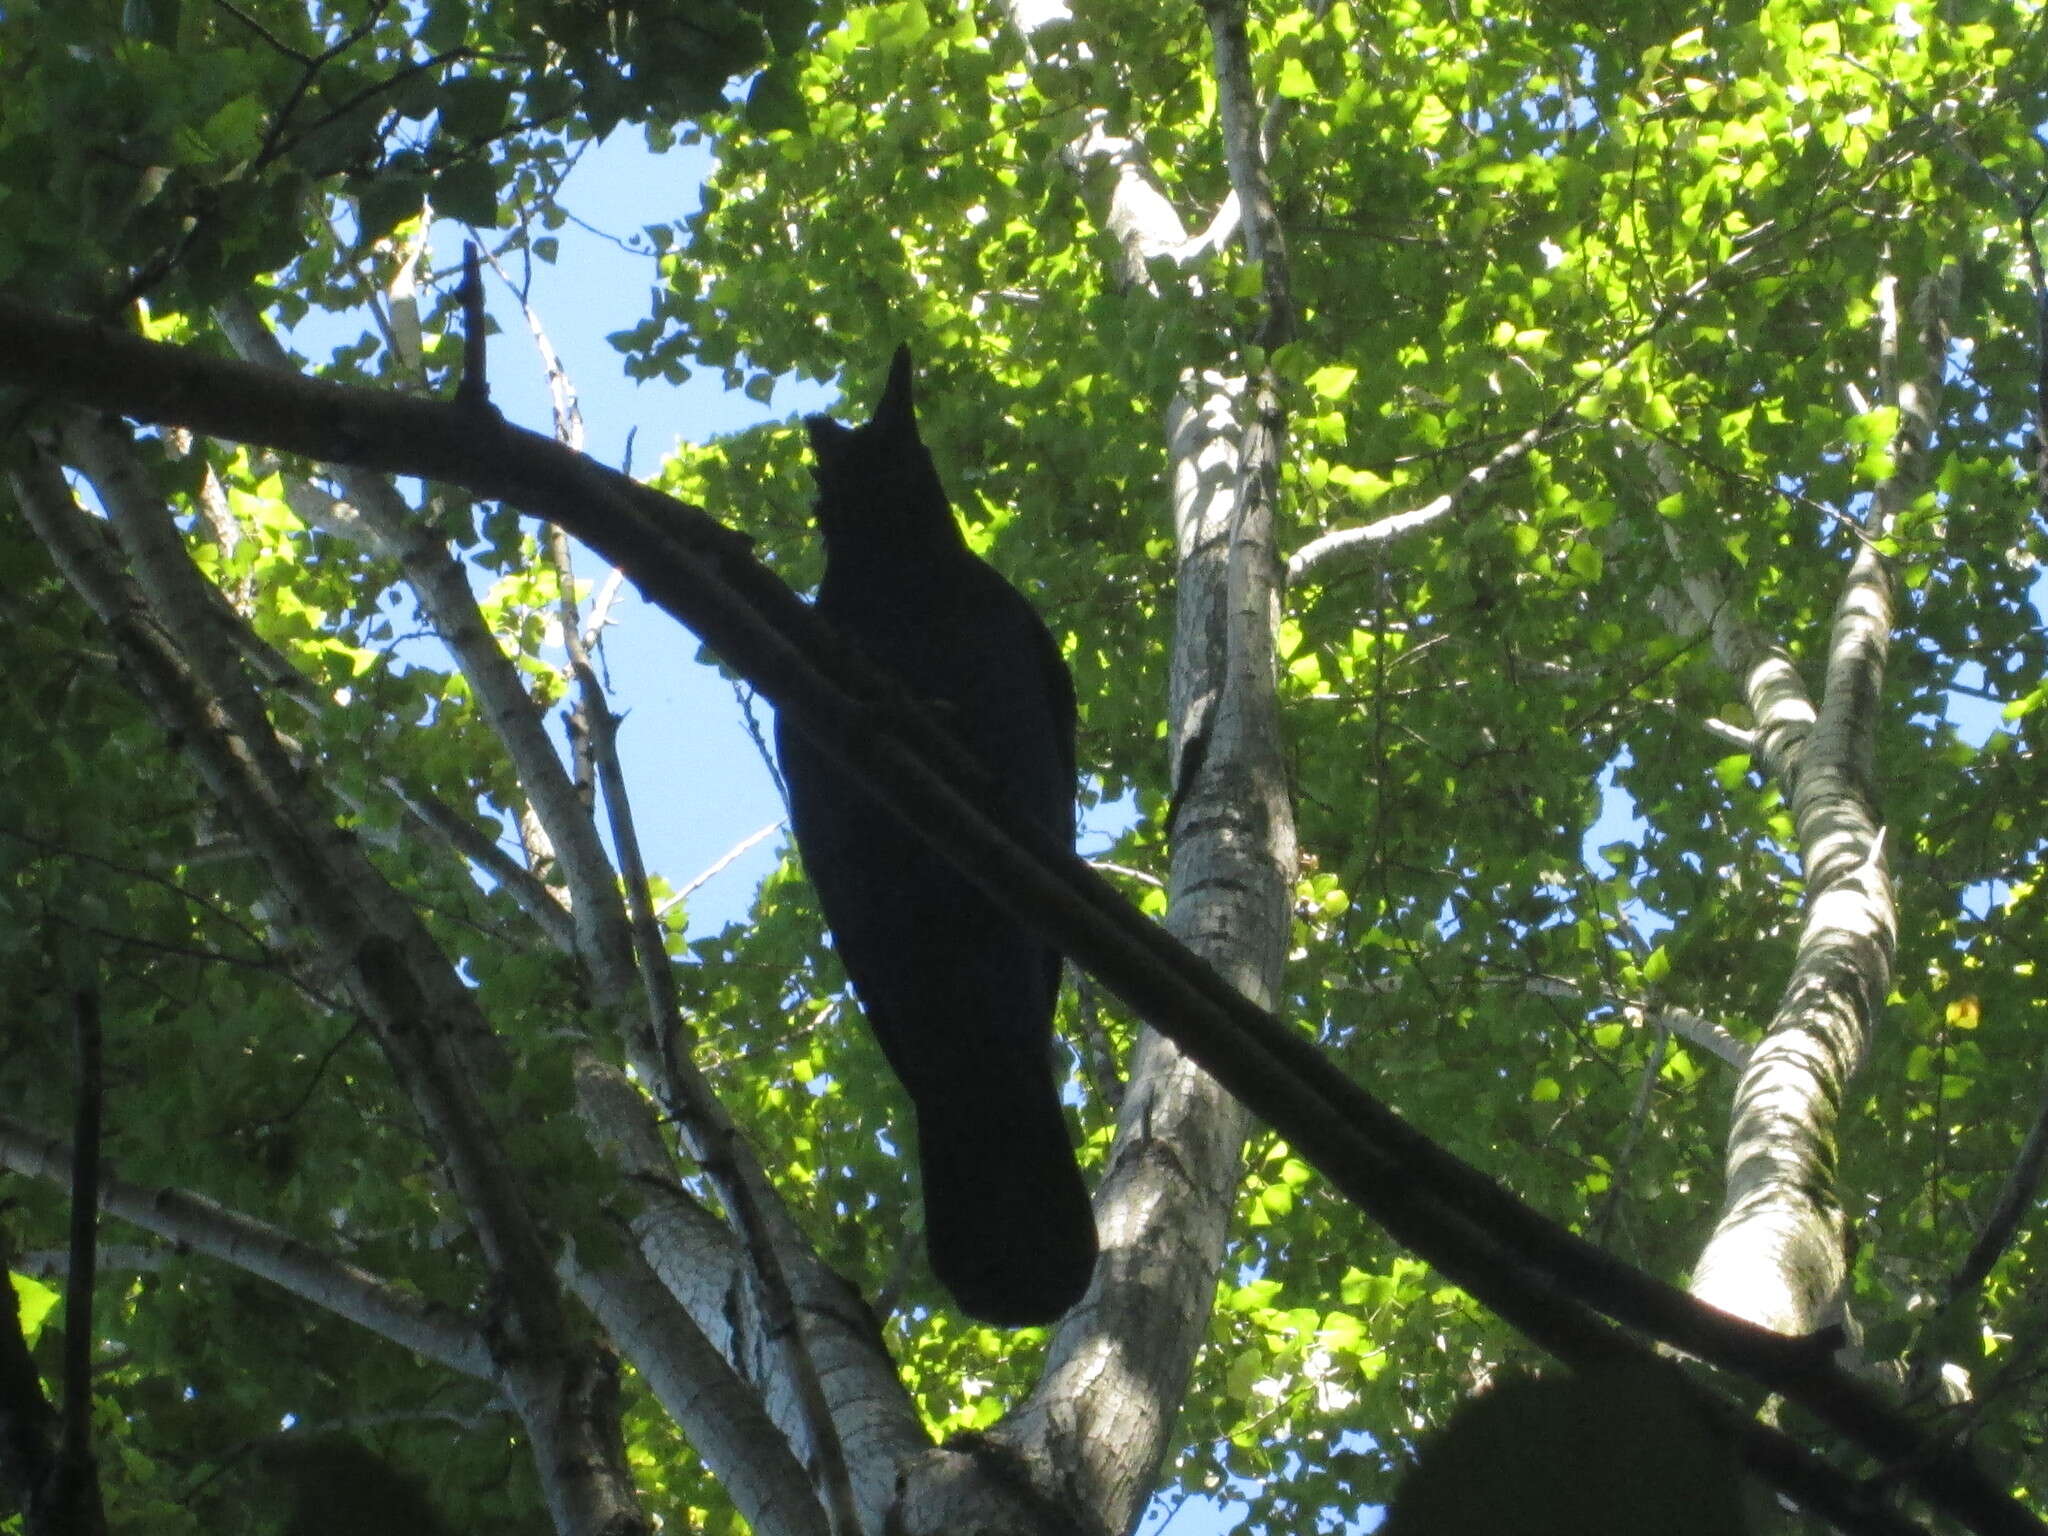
pixel 35 1302
pixel 474 106
pixel 1245 1371
pixel 1295 81
pixel 774 101
pixel 386 202
pixel 1332 381
pixel 446 25
pixel 468 193
pixel 231 134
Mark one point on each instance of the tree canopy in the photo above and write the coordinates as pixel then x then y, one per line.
pixel 1543 508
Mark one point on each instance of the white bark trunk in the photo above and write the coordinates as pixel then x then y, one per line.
pixel 1779 1254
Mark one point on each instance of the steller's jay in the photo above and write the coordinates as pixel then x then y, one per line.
pixel 959 994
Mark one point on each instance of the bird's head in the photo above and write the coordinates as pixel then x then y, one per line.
pixel 877 485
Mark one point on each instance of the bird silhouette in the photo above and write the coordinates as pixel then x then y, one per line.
pixel 959 994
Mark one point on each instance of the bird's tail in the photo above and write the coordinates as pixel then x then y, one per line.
pixel 1007 1219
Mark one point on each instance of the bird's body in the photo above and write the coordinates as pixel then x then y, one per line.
pixel 959 995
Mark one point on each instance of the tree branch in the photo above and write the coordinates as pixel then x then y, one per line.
pixel 2015 1198
pixel 716 1411
pixel 713 1138
pixel 1341 549
pixel 194 1222
pixel 1779 1252
pixel 700 1264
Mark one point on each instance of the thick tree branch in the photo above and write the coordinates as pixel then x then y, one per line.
pixel 718 1413
pixel 1779 1254
pixel 1098 1423
pixel 1167 1194
pixel 708 1273
pixel 1244 154
pixel 1139 216
pixel 193 1222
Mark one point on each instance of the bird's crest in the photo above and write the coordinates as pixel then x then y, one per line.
pixel 877 480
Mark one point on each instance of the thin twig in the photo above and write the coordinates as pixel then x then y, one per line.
pixel 473 389
pixel 719 865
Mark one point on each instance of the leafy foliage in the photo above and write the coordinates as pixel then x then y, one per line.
pixel 1657 249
